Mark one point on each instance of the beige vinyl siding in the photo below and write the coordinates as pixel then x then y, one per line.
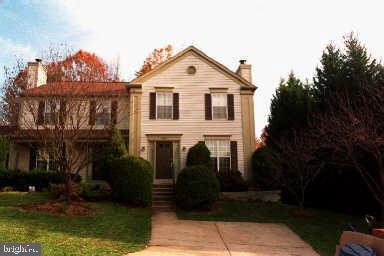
pixel 191 88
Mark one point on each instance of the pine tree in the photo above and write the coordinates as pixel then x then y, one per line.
pixel 290 108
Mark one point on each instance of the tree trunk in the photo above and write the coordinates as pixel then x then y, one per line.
pixel 68 188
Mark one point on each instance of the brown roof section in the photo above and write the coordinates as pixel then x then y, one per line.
pixel 79 88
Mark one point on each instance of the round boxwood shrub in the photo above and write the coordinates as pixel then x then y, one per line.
pixel 196 187
pixel 131 180
pixel 199 155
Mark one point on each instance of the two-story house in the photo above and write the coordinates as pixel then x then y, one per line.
pixel 187 99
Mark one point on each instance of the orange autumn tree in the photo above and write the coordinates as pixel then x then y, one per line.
pixel 260 142
pixel 62 65
pixel 81 66
pixel 155 58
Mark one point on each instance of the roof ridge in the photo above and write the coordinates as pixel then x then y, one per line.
pixel 106 82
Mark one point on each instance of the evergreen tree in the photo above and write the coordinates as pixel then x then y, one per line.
pixel 290 108
pixel 117 147
pixel 345 71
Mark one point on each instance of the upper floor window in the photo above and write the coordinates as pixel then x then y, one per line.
pixel 220 154
pixel 164 105
pixel 219 105
pixel 103 113
pixel 51 112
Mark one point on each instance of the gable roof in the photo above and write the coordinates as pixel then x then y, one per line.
pixel 201 54
pixel 79 88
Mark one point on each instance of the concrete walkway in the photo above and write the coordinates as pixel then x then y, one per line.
pixel 173 237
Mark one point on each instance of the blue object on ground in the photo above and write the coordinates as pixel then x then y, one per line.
pixel 356 250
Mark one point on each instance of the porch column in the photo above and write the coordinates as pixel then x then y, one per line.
pixel 134 121
pixel 248 125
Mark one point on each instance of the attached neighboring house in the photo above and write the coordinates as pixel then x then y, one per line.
pixel 161 114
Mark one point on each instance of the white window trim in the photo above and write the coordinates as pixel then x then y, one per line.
pixel 157 101
pixel 42 155
pixel 218 157
pixel 98 112
pixel 47 106
pixel 226 106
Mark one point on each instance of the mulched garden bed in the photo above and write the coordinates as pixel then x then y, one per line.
pixel 60 207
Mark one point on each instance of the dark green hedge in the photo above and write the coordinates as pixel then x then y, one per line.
pixel 131 180
pixel 265 166
pixel 40 179
pixel 196 187
pixel 231 181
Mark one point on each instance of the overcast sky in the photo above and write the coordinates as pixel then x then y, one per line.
pixel 274 36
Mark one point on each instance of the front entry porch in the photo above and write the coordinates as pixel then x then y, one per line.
pixel 164 155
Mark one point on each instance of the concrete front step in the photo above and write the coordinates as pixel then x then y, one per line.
pixel 163 197
pixel 163 193
pixel 163 186
pixel 163 206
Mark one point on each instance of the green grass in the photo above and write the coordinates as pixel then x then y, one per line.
pixel 113 230
pixel 322 231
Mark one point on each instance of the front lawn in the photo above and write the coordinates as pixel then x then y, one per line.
pixel 322 230
pixel 113 230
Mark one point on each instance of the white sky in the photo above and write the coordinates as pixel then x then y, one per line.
pixel 274 36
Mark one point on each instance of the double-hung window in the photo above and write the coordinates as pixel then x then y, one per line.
pixel 219 106
pixel 220 154
pixel 164 105
pixel 103 113
pixel 46 161
pixel 51 112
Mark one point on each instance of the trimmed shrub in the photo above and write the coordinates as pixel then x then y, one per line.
pixel 16 179
pixel 40 179
pixel 95 192
pixel 197 187
pixel 265 174
pixel 199 155
pixel 131 180
pixel 231 181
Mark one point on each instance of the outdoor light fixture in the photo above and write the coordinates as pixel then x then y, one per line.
pixel 142 149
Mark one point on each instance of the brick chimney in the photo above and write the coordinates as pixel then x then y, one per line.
pixel 37 74
pixel 245 70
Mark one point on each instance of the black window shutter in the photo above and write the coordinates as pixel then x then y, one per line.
pixel 114 106
pixel 152 105
pixel 208 107
pixel 63 112
pixel 40 113
pixel 231 107
pixel 32 158
pixel 234 165
pixel 175 106
pixel 92 112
